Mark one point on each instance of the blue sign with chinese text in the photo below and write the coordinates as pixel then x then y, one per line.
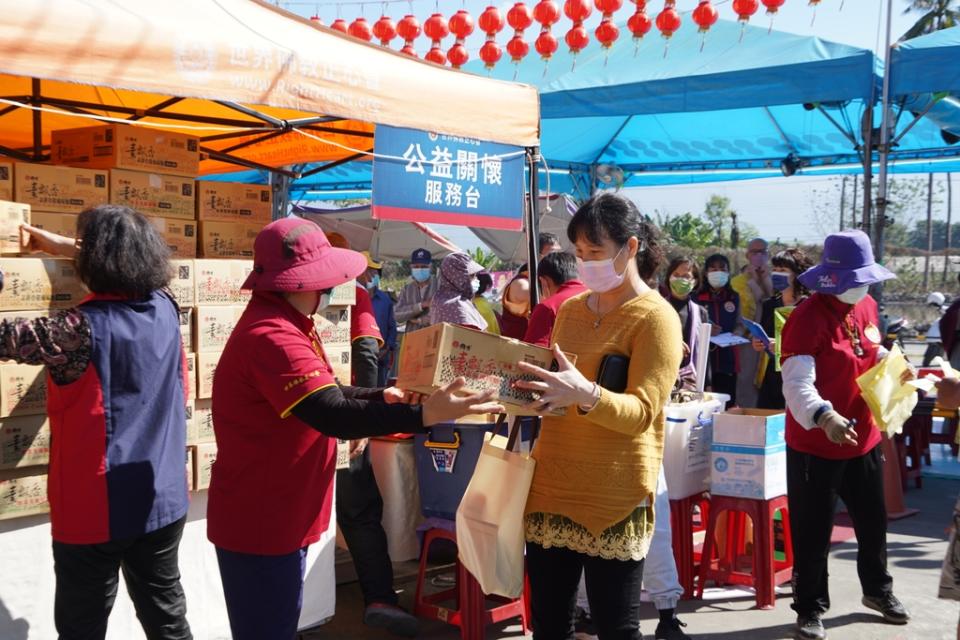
pixel 430 177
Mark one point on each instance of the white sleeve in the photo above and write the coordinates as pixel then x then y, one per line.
pixel 799 376
pixel 882 353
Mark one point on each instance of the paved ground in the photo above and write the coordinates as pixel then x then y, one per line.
pixel 916 549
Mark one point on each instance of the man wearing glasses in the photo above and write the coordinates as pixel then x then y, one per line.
pixel 754 285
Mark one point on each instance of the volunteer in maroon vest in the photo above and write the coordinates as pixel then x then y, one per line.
pixel 116 393
pixel 833 445
pixel 277 411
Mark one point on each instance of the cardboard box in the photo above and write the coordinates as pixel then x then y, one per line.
pixel 234 202
pixel 688 436
pixel 191 376
pixel 23 389
pixel 189 469
pixel 189 413
pixel 6 181
pixel 183 284
pixel 23 493
pixel 59 189
pixel 344 295
pixel 203 419
pixel 24 441
pixel 180 236
pixel 214 325
pixel 750 427
pixel 12 215
pixel 39 283
pixel 63 224
pixel 435 356
pixel 228 239
pixel 333 326
pixel 28 315
pixel 204 455
pixel 343 454
pixel 154 194
pixel 206 367
pixel 119 146
pixel 339 357
pixel 219 281
pixel 748 472
pixel 186 329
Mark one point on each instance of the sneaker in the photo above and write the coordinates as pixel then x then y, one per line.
pixel 671 630
pixel 892 609
pixel 390 617
pixel 810 627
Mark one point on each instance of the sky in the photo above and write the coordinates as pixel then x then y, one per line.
pixel 777 207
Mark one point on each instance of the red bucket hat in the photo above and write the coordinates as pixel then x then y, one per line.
pixel 293 254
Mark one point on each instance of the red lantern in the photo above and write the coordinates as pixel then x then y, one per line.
pixel 519 17
pixel 436 56
pixel 360 29
pixel 490 53
pixel 608 7
pixel 458 55
pixel 639 23
pixel 577 39
pixel 577 10
pixel 745 8
pixel 490 21
pixel 384 30
pixel 316 18
pixel 668 21
pixel 409 29
pixel 340 25
pixel 517 48
pixel 461 24
pixel 607 33
pixel 436 28
pixel 705 15
pixel 772 5
pixel 547 13
pixel 814 3
pixel 546 44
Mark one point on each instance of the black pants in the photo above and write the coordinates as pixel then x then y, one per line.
pixel 725 383
pixel 87 585
pixel 359 514
pixel 813 486
pixel 613 590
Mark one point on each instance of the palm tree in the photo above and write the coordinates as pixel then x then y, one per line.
pixel 937 14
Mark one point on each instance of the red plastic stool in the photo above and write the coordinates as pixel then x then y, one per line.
pixel 471 613
pixel 766 572
pixel 683 526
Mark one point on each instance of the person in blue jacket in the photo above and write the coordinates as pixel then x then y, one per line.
pixel 723 307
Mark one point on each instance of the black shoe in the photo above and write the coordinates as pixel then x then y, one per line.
pixel 584 623
pixel 392 618
pixel 810 627
pixel 671 630
pixel 892 609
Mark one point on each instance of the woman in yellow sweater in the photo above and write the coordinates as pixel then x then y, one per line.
pixel 591 504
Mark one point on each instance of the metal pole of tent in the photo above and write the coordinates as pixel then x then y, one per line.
pixel 281 194
pixel 885 124
pixel 533 222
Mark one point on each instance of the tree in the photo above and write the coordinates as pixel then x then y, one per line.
pixel 486 259
pixel 686 230
pixel 937 15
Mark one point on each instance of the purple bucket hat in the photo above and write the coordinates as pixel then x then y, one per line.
pixel 847 263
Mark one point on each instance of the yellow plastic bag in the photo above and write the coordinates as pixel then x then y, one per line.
pixel 891 402
pixel 780 316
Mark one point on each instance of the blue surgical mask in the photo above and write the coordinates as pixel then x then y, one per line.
pixel 718 279
pixel 420 274
pixel 374 282
pixel 781 281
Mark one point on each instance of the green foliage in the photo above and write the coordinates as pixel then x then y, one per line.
pixel 686 230
pixel 486 259
pixel 936 15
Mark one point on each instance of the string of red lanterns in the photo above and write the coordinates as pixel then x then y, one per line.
pixel 547 13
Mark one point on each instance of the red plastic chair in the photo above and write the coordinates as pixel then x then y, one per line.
pixel 683 526
pixel 766 572
pixel 470 611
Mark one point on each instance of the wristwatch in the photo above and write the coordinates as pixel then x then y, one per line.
pixel 819 412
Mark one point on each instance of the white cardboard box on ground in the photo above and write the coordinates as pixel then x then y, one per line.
pixel 748 472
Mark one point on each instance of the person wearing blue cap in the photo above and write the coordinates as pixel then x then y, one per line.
pixel 413 306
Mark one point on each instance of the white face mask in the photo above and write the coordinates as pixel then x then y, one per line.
pixel 853 296
pixel 718 279
pixel 323 302
pixel 601 275
pixel 474 286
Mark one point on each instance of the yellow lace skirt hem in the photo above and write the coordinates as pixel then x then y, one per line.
pixel 629 539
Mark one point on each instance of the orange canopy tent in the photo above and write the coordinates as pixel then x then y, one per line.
pixel 261 87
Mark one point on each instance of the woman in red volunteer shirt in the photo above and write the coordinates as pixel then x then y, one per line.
pixel 833 445
pixel 277 411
